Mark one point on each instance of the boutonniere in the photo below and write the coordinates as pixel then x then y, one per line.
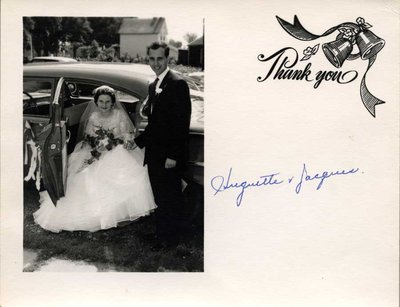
pixel 159 91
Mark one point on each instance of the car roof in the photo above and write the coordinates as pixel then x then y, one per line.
pixel 54 58
pixel 131 77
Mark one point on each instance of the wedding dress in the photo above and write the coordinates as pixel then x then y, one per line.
pixel 113 188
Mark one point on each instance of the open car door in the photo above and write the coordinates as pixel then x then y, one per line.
pixel 55 148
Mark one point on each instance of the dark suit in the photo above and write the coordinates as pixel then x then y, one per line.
pixel 167 136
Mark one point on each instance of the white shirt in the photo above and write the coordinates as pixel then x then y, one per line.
pixel 161 78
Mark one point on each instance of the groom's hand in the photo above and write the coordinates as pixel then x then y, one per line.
pixel 169 163
pixel 130 145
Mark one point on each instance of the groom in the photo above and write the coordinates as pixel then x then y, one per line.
pixel 165 139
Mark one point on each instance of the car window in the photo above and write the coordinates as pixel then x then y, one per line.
pixel 125 97
pixel 81 91
pixel 37 97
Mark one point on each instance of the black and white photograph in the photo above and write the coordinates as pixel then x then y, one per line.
pixel 113 145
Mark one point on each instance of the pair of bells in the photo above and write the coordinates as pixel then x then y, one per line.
pixel 340 50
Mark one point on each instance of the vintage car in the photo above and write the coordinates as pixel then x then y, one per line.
pixel 56 95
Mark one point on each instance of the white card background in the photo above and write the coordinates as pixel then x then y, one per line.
pixel 337 246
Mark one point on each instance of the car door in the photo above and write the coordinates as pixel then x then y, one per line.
pixel 55 148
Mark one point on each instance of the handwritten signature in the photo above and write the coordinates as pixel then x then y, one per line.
pixel 220 183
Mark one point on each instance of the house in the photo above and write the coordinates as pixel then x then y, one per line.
pixel 136 34
pixel 196 53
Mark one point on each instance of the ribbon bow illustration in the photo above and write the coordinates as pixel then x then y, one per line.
pixel 341 49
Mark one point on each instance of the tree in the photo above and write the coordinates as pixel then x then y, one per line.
pixel 76 30
pixel 190 37
pixel 105 29
pixel 174 43
pixel 48 32
pixel 28 25
pixel 45 31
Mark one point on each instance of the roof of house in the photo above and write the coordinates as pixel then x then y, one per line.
pixel 197 42
pixel 142 25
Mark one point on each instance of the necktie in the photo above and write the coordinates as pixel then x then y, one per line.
pixel 154 93
pixel 155 84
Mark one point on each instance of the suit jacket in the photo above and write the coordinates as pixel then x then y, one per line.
pixel 167 132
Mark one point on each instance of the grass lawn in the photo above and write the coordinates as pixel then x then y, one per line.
pixel 124 248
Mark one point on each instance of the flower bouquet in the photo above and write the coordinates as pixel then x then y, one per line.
pixel 102 141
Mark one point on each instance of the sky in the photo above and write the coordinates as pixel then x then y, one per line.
pixel 178 26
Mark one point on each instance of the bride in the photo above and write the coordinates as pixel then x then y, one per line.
pixel 106 183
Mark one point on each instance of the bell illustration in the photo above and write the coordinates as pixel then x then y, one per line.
pixel 338 51
pixel 369 44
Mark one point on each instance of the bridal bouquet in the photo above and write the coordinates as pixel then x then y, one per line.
pixel 104 140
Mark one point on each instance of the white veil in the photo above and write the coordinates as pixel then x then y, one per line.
pixel 92 107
